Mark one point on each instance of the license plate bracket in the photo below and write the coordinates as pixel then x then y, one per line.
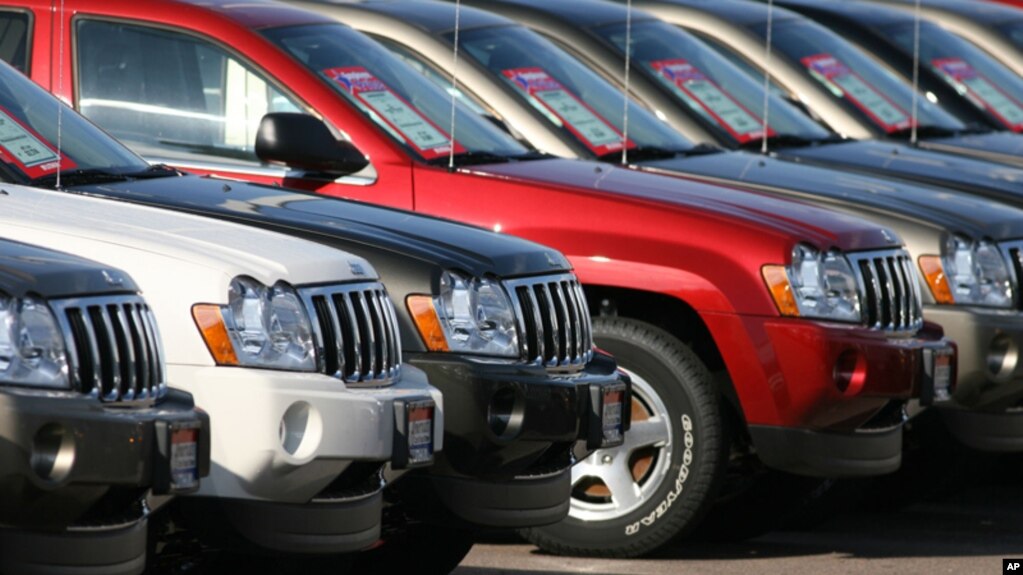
pixel 939 375
pixel 414 422
pixel 608 415
pixel 179 446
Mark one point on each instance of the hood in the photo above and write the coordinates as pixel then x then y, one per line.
pixel 436 241
pixel 224 247
pixel 27 269
pixel 798 220
pixel 1002 147
pixel 889 159
pixel 946 209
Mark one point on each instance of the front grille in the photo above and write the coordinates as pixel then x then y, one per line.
pixel 356 332
pixel 891 289
pixel 114 348
pixel 555 320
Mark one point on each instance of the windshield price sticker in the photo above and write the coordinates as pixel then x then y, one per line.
pixel 23 147
pixel 978 88
pixel 582 121
pixel 693 85
pixel 831 71
pixel 425 136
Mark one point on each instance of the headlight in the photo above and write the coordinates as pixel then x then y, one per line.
pixel 968 273
pixel 260 326
pixel 31 345
pixel 469 315
pixel 815 285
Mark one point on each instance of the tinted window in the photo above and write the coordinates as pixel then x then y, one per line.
pixel 14 39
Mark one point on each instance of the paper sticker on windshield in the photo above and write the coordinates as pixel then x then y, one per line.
pixel 27 150
pixel 582 121
pixel 694 86
pixel 425 136
pixel 831 72
pixel 979 89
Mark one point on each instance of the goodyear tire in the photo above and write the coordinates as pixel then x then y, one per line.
pixel 632 500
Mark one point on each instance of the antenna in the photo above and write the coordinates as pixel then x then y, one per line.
pixel 916 72
pixel 454 84
pixel 625 90
pixel 767 75
pixel 60 90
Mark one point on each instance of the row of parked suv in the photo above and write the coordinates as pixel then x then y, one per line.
pixel 248 326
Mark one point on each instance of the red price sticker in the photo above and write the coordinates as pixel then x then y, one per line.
pixel 831 72
pixel 582 121
pixel 402 117
pixel 701 93
pixel 27 150
pixel 981 91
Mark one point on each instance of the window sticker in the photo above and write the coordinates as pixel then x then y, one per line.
pixel 832 72
pixel 979 89
pixel 582 121
pixel 27 150
pixel 425 136
pixel 694 85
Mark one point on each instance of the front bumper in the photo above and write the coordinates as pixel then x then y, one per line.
pixel 802 410
pixel 297 457
pixel 985 413
pixel 59 455
pixel 509 432
pixel 73 473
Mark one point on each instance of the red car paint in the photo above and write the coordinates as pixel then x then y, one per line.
pixel 626 232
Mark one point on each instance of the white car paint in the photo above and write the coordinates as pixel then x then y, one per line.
pixel 179 260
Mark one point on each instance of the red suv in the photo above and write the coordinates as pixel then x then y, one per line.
pixel 756 330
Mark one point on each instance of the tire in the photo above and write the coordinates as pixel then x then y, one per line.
pixel 669 484
pixel 419 548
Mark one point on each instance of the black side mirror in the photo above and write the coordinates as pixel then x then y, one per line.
pixel 304 142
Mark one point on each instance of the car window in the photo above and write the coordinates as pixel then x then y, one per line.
pixel 172 95
pixel 14 35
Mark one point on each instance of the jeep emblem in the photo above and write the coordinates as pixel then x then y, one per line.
pixel 356 268
pixel 113 281
pixel 553 261
pixel 888 236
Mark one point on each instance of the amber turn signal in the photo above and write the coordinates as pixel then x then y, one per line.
pixel 777 280
pixel 427 322
pixel 211 324
pixel 934 274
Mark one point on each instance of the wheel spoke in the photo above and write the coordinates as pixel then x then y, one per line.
pixel 589 467
pixel 653 431
pixel 618 479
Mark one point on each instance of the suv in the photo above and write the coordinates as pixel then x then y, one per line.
pixel 724 327
pixel 297 452
pixel 69 501
pixel 499 324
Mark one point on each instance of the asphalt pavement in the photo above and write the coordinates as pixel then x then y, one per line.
pixel 965 521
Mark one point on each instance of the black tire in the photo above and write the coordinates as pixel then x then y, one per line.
pixel 419 548
pixel 678 484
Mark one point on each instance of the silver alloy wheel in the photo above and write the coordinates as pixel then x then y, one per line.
pixel 616 469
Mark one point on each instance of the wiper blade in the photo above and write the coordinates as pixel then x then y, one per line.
pixel 154 171
pixel 78 177
pixel 925 131
pixel 788 140
pixel 472 158
pixel 642 154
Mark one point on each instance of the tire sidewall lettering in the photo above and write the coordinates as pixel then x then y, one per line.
pixel 680 480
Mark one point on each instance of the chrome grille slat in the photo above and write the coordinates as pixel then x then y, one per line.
pixel 114 349
pixel 889 288
pixel 553 317
pixel 359 323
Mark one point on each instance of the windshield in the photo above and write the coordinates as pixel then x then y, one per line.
pixel 411 108
pixel 707 83
pixel 985 83
pixel 864 87
pixel 568 94
pixel 28 136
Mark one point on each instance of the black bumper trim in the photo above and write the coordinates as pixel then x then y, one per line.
pixel 985 431
pixel 101 552
pixel 828 454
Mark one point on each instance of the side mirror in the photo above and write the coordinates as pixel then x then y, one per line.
pixel 304 142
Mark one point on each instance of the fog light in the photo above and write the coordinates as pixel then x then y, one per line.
pixel 850 372
pixel 1002 357
pixel 505 413
pixel 300 430
pixel 53 452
